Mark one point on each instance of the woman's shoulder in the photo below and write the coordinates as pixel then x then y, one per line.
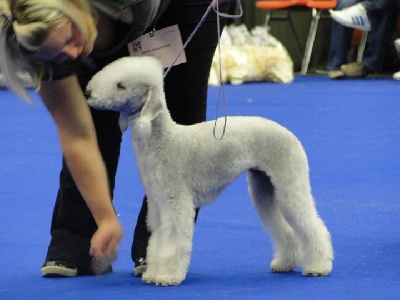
pixel 143 13
pixel 113 8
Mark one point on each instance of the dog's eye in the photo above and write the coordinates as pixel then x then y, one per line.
pixel 120 86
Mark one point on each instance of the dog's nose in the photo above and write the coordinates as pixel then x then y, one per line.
pixel 121 86
pixel 87 94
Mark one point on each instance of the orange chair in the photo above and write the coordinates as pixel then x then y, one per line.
pixel 317 7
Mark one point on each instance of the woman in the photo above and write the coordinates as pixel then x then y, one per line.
pixel 63 44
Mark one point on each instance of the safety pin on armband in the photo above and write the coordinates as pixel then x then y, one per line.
pixel 9 20
pixel 152 32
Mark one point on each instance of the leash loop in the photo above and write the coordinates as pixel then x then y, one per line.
pixel 214 5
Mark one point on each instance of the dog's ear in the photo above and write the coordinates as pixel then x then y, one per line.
pixel 123 121
pixel 152 107
pixel 150 110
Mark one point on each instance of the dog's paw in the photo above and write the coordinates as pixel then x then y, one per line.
pixel 318 269
pixel 102 264
pixel 161 280
pixel 148 277
pixel 279 266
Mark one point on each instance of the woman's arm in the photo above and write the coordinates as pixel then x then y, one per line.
pixel 66 103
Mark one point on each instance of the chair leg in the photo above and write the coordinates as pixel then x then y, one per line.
pixel 294 34
pixel 288 18
pixel 268 17
pixel 316 14
pixel 361 47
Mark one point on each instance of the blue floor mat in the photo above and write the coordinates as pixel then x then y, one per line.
pixel 350 130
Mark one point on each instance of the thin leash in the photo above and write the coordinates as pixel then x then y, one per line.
pixel 215 6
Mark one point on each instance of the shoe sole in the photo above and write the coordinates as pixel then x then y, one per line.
pixel 336 74
pixel 56 271
pixel 139 270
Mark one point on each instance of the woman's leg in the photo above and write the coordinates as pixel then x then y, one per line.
pixel 186 85
pixel 382 32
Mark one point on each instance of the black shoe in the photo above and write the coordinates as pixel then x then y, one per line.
pixel 140 267
pixel 58 268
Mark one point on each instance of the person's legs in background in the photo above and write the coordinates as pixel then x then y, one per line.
pixel 340 42
pixel 372 5
pixel 383 29
pixel 384 24
pixel 357 15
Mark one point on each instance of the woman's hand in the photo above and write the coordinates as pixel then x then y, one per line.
pixel 105 240
pixel 104 246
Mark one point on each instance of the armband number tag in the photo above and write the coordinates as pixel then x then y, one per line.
pixel 164 44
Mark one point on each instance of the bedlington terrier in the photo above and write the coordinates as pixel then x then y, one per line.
pixel 184 167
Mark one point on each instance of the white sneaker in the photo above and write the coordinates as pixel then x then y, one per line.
pixel 397 45
pixel 354 17
pixel 396 76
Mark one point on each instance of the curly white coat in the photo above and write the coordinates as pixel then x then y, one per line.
pixel 183 167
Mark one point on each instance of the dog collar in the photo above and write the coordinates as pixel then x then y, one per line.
pixel 132 113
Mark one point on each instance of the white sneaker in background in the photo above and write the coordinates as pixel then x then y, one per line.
pixel 396 76
pixel 397 45
pixel 354 17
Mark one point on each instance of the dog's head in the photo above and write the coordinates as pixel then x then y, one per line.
pixel 126 85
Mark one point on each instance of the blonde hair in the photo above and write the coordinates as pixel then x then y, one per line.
pixel 24 24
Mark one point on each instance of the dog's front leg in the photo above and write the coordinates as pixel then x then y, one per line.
pixel 170 245
pixel 153 224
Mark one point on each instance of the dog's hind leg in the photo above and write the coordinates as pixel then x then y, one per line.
pixel 293 197
pixel 170 244
pixel 286 246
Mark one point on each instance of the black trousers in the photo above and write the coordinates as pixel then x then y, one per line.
pixel 186 92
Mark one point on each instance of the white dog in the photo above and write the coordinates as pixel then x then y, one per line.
pixel 183 167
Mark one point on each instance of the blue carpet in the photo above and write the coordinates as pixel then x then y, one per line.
pixel 350 130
